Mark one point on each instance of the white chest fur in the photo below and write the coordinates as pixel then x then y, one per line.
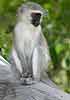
pixel 26 36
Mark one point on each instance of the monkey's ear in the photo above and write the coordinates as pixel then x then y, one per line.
pixel 18 11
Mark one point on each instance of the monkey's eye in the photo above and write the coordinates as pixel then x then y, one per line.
pixel 36 18
pixel 36 15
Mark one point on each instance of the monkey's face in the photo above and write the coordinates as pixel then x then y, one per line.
pixel 31 14
pixel 33 17
pixel 36 18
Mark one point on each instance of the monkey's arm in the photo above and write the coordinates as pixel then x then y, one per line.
pixel 41 57
pixel 41 60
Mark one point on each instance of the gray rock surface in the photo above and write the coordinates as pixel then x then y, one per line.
pixel 11 89
pixel 37 91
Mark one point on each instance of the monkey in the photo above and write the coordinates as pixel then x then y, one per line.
pixel 30 53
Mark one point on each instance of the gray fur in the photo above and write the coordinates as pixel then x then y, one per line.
pixel 27 38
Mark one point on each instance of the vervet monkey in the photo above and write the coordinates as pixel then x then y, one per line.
pixel 30 52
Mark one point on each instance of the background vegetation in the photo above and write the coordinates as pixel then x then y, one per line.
pixel 56 28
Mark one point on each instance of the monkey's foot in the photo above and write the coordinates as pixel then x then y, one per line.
pixel 27 81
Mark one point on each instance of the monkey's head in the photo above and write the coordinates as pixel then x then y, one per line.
pixel 31 13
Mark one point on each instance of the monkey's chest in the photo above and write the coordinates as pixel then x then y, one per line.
pixel 29 46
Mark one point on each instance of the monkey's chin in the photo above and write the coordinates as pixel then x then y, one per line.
pixel 35 23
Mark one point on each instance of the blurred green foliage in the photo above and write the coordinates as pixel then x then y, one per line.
pixel 56 28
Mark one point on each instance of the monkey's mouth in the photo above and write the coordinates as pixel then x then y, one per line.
pixel 36 19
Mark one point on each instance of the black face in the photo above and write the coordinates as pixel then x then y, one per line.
pixel 36 19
